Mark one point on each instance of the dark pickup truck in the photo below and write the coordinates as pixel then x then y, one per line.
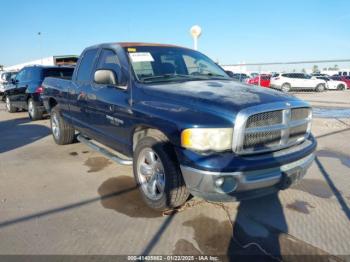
pixel 182 122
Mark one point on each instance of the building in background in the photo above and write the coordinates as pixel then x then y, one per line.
pixel 51 60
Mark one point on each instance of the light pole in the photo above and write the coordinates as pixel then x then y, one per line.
pixel 196 32
pixel 40 47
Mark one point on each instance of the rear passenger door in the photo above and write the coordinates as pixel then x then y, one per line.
pixel 78 91
pixel 18 96
pixel 308 83
pixel 108 105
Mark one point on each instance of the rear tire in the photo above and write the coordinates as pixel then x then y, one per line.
pixel 9 106
pixel 285 88
pixel 33 112
pixel 162 171
pixel 320 87
pixel 62 132
pixel 341 87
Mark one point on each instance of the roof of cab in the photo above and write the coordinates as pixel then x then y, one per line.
pixel 132 44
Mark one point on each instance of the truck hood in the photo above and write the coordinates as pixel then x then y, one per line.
pixel 219 96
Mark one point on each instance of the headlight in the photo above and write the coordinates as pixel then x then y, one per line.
pixel 205 139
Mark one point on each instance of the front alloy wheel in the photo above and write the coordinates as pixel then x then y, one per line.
pixel 150 172
pixel 55 126
pixel 157 172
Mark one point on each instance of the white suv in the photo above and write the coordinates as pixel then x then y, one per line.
pixel 297 81
pixel 333 84
pixel 5 78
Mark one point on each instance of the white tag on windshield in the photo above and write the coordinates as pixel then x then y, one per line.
pixel 141 57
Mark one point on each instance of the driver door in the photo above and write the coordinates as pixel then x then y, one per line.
pixel 109 111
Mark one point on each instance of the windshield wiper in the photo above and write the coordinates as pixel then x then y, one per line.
pixel 167 77
pixel 213 75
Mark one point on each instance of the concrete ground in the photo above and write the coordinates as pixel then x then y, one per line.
pixel 71 200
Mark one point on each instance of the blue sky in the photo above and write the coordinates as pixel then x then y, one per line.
pixel 233 31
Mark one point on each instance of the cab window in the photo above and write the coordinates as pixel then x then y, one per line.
pixel 86 65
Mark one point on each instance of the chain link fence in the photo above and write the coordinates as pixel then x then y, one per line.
pixel 297 76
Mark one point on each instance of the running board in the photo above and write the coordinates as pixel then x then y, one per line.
pixel 104 151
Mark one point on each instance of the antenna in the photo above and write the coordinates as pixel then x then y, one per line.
pixel 196 32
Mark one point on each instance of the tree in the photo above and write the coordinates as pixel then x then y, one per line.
pixel 303 70
pixel 315 69
pixel 335 68
pixel 1 67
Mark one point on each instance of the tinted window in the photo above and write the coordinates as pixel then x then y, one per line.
pixel 286 75
pixel 33 73
pixel 21 75
pixel 86 65
pixel 302 76
pixel 109 60
pixel 58 72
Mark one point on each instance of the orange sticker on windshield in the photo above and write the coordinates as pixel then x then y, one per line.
pixel 131 49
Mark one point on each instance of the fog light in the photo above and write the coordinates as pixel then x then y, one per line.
pixel 219 181
pixel 226 184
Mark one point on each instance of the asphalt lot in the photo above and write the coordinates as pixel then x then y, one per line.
pixel 71 200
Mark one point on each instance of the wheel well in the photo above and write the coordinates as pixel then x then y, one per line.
pixel 143 131
pixel 52 103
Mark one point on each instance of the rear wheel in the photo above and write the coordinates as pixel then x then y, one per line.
pixel 9 106
pixel 286 87
pixel 62 132
pixel 158 174
pixel 341 87
pixel 33 112
pixel 320 87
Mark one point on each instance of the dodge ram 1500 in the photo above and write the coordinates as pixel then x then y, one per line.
pixel 182 123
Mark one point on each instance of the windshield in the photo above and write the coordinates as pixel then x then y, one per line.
pixel 167 64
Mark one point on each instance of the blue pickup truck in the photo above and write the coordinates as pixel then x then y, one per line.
pixel 182 122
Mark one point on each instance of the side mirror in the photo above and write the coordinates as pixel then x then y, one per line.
pixel 105 77
pixel 14 81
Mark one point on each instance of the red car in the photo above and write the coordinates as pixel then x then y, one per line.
pixel 264 80
pixel 345 79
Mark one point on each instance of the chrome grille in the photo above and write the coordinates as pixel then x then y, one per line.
pixel 300 113
pixel 271 127
pixel 265 119
pixel 298 131
pixel 257 140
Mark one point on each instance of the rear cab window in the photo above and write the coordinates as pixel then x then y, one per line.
pixel 58 72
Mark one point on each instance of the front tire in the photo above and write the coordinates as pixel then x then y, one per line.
pixel 33 112
pixel 158 174
pixel 9 106
pixel 62 132
pixel 320 87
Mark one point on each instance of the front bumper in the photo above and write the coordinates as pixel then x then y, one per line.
pixel 244 184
